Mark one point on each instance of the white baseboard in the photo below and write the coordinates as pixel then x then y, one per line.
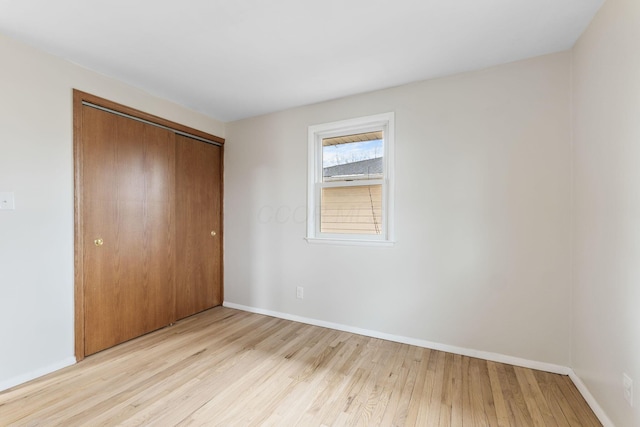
pixel 591 401
pixel 495 357
pixel 21 379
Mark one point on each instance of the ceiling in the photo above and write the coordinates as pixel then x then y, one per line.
pixel 233 59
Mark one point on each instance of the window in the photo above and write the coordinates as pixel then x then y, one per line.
pixel 350 195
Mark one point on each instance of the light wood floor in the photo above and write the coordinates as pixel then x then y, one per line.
pixel 227 367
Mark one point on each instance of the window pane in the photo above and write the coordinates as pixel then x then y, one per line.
pixel 352 157
pixel 351 169
pixel 351 210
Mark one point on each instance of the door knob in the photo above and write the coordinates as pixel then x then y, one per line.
pixel 98 242
pixel 213 233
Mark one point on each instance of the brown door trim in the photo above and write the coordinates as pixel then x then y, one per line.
pixel 79 98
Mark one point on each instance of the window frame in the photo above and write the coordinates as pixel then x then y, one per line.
pixel 315 183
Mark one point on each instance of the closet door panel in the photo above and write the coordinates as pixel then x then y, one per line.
pixel 198 226
pixel 159 229
pixel 128 198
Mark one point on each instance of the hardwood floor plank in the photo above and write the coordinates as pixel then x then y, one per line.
pixel 568 410
pixel 396 413
pixel 329 403
pixel 227 367
pixel 372 394
pixel 446 399
pixel 513 395
pixel 479 410
pixel 487 394
pixel 216 373
pixel 436 390
pixel 359 407
pixel 543 379
pixel 576 401
pixel 502 416
pixel 382 395
pixel 467 409
pixel 417 398
pixel 244 383
pixel 457 391
pixel 537 407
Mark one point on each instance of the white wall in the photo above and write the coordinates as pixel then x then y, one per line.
pixel 606 292
pixel 483 210
pixel 482 215
pixel 36 239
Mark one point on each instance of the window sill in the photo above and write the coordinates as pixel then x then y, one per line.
pixel 349 242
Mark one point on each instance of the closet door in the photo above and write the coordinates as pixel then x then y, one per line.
pixel 198 226
pixel 128 214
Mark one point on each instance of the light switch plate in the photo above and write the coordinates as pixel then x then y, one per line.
pixel 7 201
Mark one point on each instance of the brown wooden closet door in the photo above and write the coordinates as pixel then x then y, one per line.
pixel 128 202
pixel 198 226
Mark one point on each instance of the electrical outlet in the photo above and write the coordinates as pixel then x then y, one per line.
pixel 7 201
pixel 627 383
pixel 300 292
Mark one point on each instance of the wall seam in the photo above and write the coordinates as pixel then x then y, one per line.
pixel 572 231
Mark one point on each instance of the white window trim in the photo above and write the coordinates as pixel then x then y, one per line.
pixel 315 171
